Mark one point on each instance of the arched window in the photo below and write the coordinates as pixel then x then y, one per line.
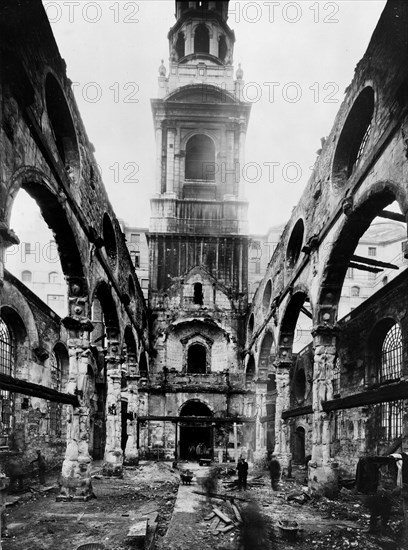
pixel 180 45
pixel 198 294
pixel 355 291
pixel 202 39
pixel 6 367
pixel 391 354
pixel 53 277
pixel 26 276
pixel 222 48
pixel 197 359
pixel 200 158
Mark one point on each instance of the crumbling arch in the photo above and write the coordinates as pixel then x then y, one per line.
pixel 354 137
pixel 295 244
pixel 250 370
pixel 109 239
pixel 266 297
pixel 250 329
pixel 370 205
pixel 62 126
pixel 289 322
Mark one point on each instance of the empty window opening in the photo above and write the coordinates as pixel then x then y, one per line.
pixel 355 291
pixel 300 385
pixel 200 158
pixel 391 354
pixel 198 294
pixel 201 39
pixel 295 244
pixel 197 359
pixel 250 371
pixel 222 48
pixel 6 367
pixel 180 45
pixel 26 276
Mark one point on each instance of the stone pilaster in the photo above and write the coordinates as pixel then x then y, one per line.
pixel 260 411
pixel 132 451
pixel 282 440
pixel 323 474
pixel 113 460
pixel 76 481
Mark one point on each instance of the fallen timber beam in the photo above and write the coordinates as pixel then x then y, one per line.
pixel 362 267
pixel 392 216
pixel 375 263
pixel 382 394
pixel 221 497
pixel 14 385
pixel 198 419
pixel 299 411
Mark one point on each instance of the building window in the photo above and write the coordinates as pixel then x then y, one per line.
pixel 350 273
pixel 257 267
pixel 198 294
pixel 197 359
pixel 355 291
pixel 53 277
pixel 372 251
pixel 200 158
pixel 336 377
pixel 135 257
pixel 6 367
pixel 135 238
pixel 391 354
pixel 54 415
pixel 180 45
pixel 26 276
pixel 222 48
pixel 55 301
pixel 391 419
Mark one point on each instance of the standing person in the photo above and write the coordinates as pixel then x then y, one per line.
pixel 41 467
pixel 242 469
pixel 274 472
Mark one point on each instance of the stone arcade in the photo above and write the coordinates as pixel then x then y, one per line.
pixel 199 370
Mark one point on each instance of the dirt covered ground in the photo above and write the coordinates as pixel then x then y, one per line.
pixel 35 521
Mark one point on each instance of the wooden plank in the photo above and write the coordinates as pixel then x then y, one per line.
pixel 362 267
pixel 391 392
pixel 15 385
pixel 299 411
pixel 221 497
pixel 227 529
pixel 372 261
pixel 392 216
pixel 198 419
pixel 222 516
pixel 237 512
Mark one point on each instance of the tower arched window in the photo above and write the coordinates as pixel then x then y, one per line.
pixel 198 294
pixel 180 45
pixel 200 158
pixel 197 359
pixel 53 277
pixel 222 48
pixel 6 367
pixel 201 39
pixel 391 354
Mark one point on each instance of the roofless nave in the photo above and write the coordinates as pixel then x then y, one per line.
pixel 119 379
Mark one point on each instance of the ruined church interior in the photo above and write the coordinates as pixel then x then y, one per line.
pixel 130 402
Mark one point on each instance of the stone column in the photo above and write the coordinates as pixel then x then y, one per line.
pixel 260 410
pixel 323 475
pixel 113 460
pixel 76 481
pixel 159 147
pixel 171 138
pixel 132 451
pixel 282 438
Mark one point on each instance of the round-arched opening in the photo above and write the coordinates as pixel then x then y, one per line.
pixel 265 354
pixel 62 126
pixel 200 158
pixel 195 408
pixel 109 239
pixel 202 39
pixel 222 48
pixel 295 244
pixel 354 137
pixel 299 388
pixel 180 45
pixel 266 297
pixel 251 324
pixel 250 370
pixel 196 359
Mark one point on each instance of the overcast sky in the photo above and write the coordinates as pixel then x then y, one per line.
pixel 297 57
